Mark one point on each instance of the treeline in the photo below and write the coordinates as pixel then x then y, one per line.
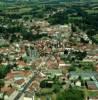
pixel 72 14
pixel 79 17
pixel 21 31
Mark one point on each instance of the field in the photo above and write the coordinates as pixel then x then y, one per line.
pixel 17 11
pixel 92 93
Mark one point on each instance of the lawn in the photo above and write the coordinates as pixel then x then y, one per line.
pixel 46 91
pixel 52 96
pixel 17 10
pixel 92 93
pixel 92 11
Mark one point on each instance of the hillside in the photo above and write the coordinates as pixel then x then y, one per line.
pixel 49 0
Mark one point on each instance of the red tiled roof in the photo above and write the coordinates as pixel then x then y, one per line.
pixel 11 75
pixel 21 63
pixel 7 90
pixel 19 82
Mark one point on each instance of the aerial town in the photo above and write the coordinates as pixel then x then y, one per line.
pixel 55 62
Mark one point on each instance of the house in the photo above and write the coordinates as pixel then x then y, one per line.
pixel 34 86
pixel 91 85
pixel 17 75
pixel 78 83
pixel 19 83
pixel 8 91
pixel 73 76
pixel 52 64
pixel 21 64
pixel 84 75
pixel 93 98
pixel 62 64
pixel 29 96
pixel 53 72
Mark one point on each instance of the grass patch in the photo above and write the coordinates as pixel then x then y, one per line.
pixel 92 94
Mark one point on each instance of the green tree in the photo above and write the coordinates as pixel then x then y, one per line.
pixel 71 94
pixel 1 84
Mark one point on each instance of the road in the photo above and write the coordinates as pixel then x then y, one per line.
pixel 25 88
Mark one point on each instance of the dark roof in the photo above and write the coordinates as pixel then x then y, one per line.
pixel 91 85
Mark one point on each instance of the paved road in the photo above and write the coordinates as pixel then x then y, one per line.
pixel 25 87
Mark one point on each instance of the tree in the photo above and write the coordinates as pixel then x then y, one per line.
pixel 72 68
pixel 58 18
pixel 45 84
pixel 4 70
pixel 1 84
pixel 73 28
pixel 71 94
pixel 56 88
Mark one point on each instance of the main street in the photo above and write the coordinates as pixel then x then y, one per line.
pixel 25 88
